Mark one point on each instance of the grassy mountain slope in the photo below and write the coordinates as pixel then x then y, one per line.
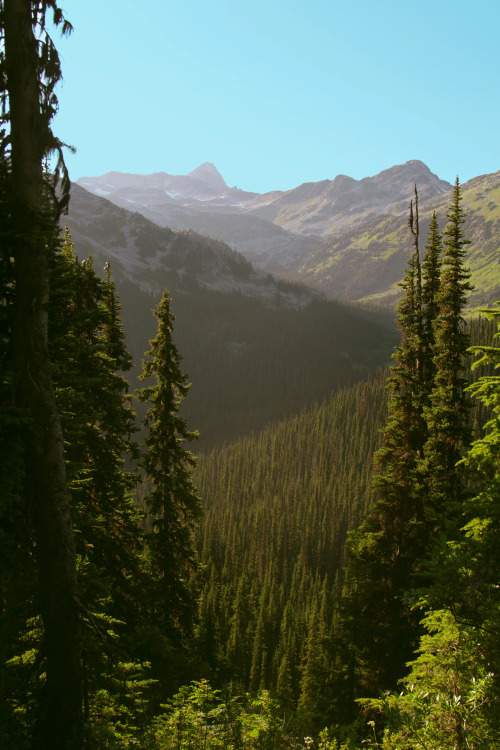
pixel 367 263
pixel 331 207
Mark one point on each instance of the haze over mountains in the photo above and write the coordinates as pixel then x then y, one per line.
pixel 256 348
pixel 346 237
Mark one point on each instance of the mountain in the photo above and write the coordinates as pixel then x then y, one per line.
pixel 346 237
pixel 333 206
pixel 278 231
pixel 255 348
pixel 367 262
pixel 192 202
pixel 210 175
pixel 155 258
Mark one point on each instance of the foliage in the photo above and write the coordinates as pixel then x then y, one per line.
pixel 451 693
pixel 201 717
pixel 277 510
pixel 172 502
pixel 447 696
pixel 448 408
pixel 382 554
pixel 49 74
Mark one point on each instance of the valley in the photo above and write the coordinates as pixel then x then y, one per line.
pixel 249 441
pixel 256 348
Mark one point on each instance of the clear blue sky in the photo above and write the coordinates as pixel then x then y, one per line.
pixel 280 92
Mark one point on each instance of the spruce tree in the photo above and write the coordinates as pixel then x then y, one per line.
pixel 382 553
pixel 172 501
pixel 447 415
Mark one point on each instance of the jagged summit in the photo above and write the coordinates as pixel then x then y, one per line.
pixel 210 175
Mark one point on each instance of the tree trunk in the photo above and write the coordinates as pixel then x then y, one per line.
pixel 60 721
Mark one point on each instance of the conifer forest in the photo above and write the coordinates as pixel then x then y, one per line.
pixel 327 581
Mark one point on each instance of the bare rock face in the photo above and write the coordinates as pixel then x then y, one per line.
pixel 210 175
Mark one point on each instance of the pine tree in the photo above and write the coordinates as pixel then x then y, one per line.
pixel 384 550
pixel 431 274
pixel 172 500
pixel 447 415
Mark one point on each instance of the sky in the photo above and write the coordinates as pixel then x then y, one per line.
pixel 276 93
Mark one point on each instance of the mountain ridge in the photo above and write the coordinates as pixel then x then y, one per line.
pixel 346 237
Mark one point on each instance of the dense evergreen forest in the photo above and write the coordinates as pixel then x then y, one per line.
pixel 329 582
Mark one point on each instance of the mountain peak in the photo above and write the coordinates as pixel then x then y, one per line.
pixel 210 175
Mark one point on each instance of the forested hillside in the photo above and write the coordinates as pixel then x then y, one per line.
pixel 277 511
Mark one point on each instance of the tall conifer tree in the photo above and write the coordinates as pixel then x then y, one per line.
pixel 431 274
pixel 172 500
pixel 384 549
pixel 417 486
pixel 29 72
pixel 447 415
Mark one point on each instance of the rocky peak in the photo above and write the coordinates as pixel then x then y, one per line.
pixel 210 175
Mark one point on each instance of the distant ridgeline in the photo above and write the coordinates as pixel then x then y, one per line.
pixel 346 237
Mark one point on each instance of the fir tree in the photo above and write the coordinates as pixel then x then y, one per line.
pixel 172 500
pixel 447 415
pixel 431 273
pixel 384 550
